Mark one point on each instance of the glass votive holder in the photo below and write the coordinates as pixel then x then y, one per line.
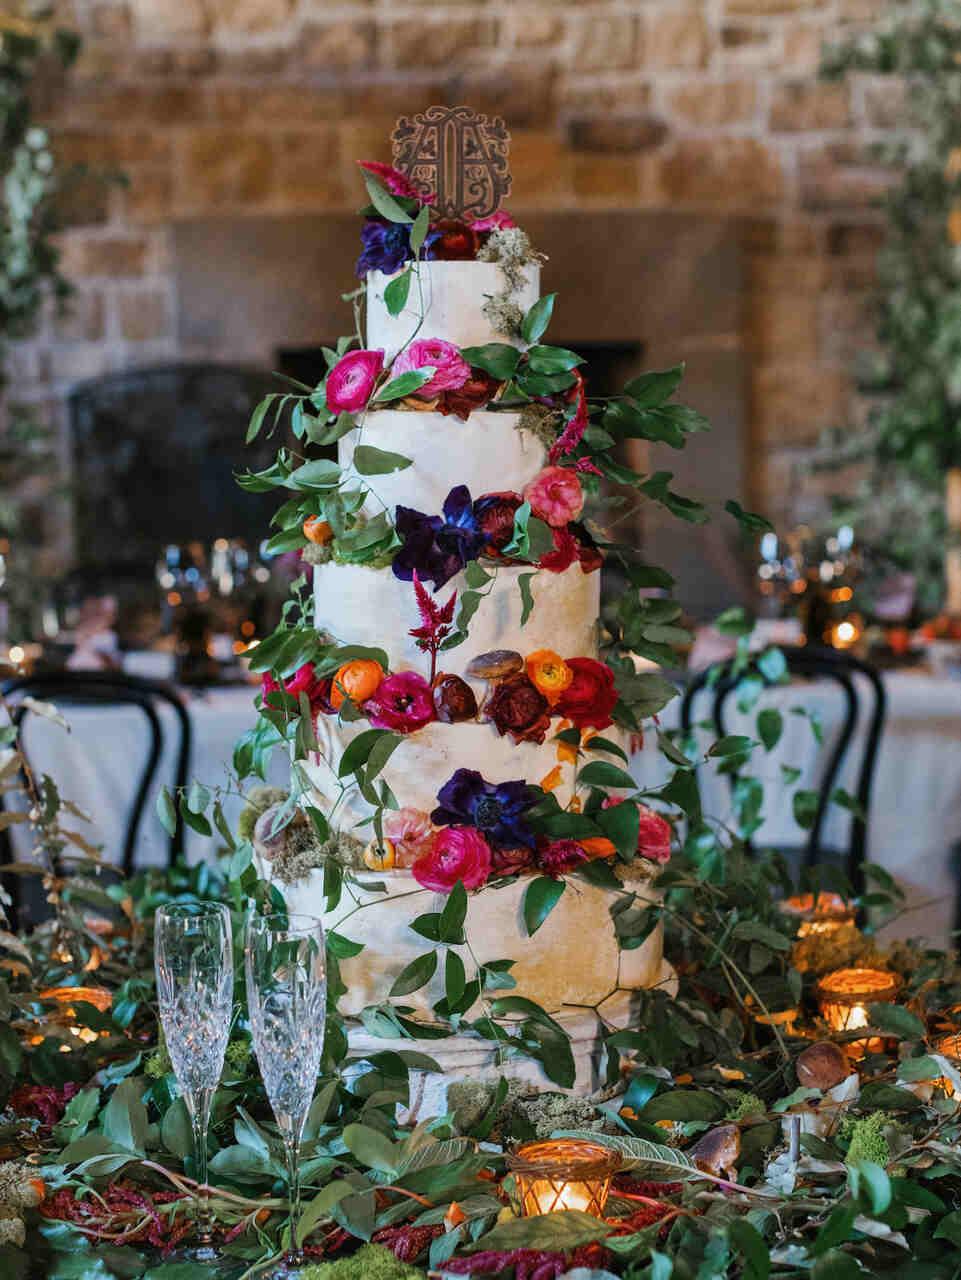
pixel 563 1173
pixel 845 995
pixel 824 914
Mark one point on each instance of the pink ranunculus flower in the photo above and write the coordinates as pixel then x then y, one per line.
pixel 555 496
pixel 351 381
pixel 459 853
pixel 412 834
pixel 451 370
pixel 397 183
pixel 653 833
pixel 403 702
pixel 500 220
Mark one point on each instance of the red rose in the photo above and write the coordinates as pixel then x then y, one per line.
pixel 564 554
pixel 494 513
pixel 474 394
pixel 518 708
pixel 451 241
pixel 302 681
pixel 590 697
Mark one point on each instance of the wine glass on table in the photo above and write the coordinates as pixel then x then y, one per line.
pixel 193 959
pixel 286 970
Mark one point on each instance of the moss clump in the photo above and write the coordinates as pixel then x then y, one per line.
pixel 303 852
pixel 370 1262
pixel 742 1106
pixel 541 422
pixel 158 1064
pixel 316 553
pixel 512 250
pixel 237 1056
pixel 843 948
pixel 866 1138
pixel 504 314
pixel 524 1111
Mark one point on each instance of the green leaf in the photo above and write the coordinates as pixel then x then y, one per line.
pixel 258 415
pixel 359 751
pixel 535 322
pixel 455 979
pixel 343 948
pixel 560 1231
pixel 896 1020
pixel 876 1183
pixel 749 1242
pixel 381 752
pixel 647 1159
pixel 175 1130
pixel 755 931
pixel 770 726
pixel 415 975
pixel 621 824
pixel 321 473
pixel 540 898
pixel 384 202
pixel 527 596
pixel 418 232
pixel 772 665
pixel 949 1228
pixel 805 805
pixel 684 1104
pixel 372 1149
pixel 735 621
pixel 789 774
pixel 878 1096
pixel 369 461
pixel 405 384
pixel 601 773
pixel 732 744
pixel 198 797
pixel 475 576
pixel 749 521
pixel 450 926
pixel 553 359
pixel 496 358
pixel 395 295
pixel 652 389
pixel 125 1116
pixel 166 811
pixel 851 803
pixel 319 1208
pixel 605 745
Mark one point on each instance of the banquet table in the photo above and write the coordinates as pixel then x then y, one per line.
pixel 914 818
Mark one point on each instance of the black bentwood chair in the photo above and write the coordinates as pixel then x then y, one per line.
pixel 864 697
pixel 109 689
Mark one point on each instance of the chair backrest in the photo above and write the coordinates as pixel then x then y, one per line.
pixel 842 669
pixel 114 689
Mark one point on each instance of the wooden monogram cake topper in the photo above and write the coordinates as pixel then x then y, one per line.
pixel 459 156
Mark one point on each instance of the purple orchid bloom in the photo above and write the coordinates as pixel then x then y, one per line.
pixel 438 547
pixel 496 809
pixel 386 247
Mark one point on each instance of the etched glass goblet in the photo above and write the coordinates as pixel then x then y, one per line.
pixel 287 998
pixel 193 959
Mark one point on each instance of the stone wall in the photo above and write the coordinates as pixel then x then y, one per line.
pixel 260 107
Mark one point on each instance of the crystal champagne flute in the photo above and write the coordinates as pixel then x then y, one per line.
pixel 287 999
pixel 193 959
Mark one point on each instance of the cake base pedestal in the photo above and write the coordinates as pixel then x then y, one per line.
pixel 468 1057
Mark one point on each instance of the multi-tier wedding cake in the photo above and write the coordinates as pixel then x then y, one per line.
pixel 461 762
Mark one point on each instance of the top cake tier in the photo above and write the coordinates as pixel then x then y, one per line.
pixel 454 294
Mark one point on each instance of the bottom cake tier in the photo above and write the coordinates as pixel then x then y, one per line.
pixel 573 959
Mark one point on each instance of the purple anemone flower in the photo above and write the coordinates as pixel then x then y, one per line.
pixel 496 809
pixel 386 247
pixel 438 547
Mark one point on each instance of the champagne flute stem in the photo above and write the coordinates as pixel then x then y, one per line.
pixel 295 1255
pixel 200 1119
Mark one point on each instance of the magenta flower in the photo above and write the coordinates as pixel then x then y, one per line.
pixel 351 381
pixel 560 856
pixel 397 183
pixel 497 221
pixel 459 853
pixel 555 496
pixel 403 702
pixel 451 371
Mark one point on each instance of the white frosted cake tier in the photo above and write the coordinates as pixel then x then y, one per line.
pixel 360 605
pixel 572 959
pixel 425 760
pixel 454 294
pixel 487 453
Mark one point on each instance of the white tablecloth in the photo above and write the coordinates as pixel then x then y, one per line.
pixel 98 764
pixel 914 820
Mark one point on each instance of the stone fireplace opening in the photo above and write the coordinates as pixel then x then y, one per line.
pixel 639 290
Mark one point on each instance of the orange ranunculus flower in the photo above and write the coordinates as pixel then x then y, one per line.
pixel 317 530
pixel 359 680
pixel 597 847
pixel 549 674
pixel 552 780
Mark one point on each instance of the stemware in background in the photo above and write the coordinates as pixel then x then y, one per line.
pixel 193 958
pixel 287 999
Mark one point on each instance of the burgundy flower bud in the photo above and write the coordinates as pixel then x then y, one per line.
pixel 506 862
pixel 454 699
pixel 451 240
pixel 494 514
pixel 518 708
